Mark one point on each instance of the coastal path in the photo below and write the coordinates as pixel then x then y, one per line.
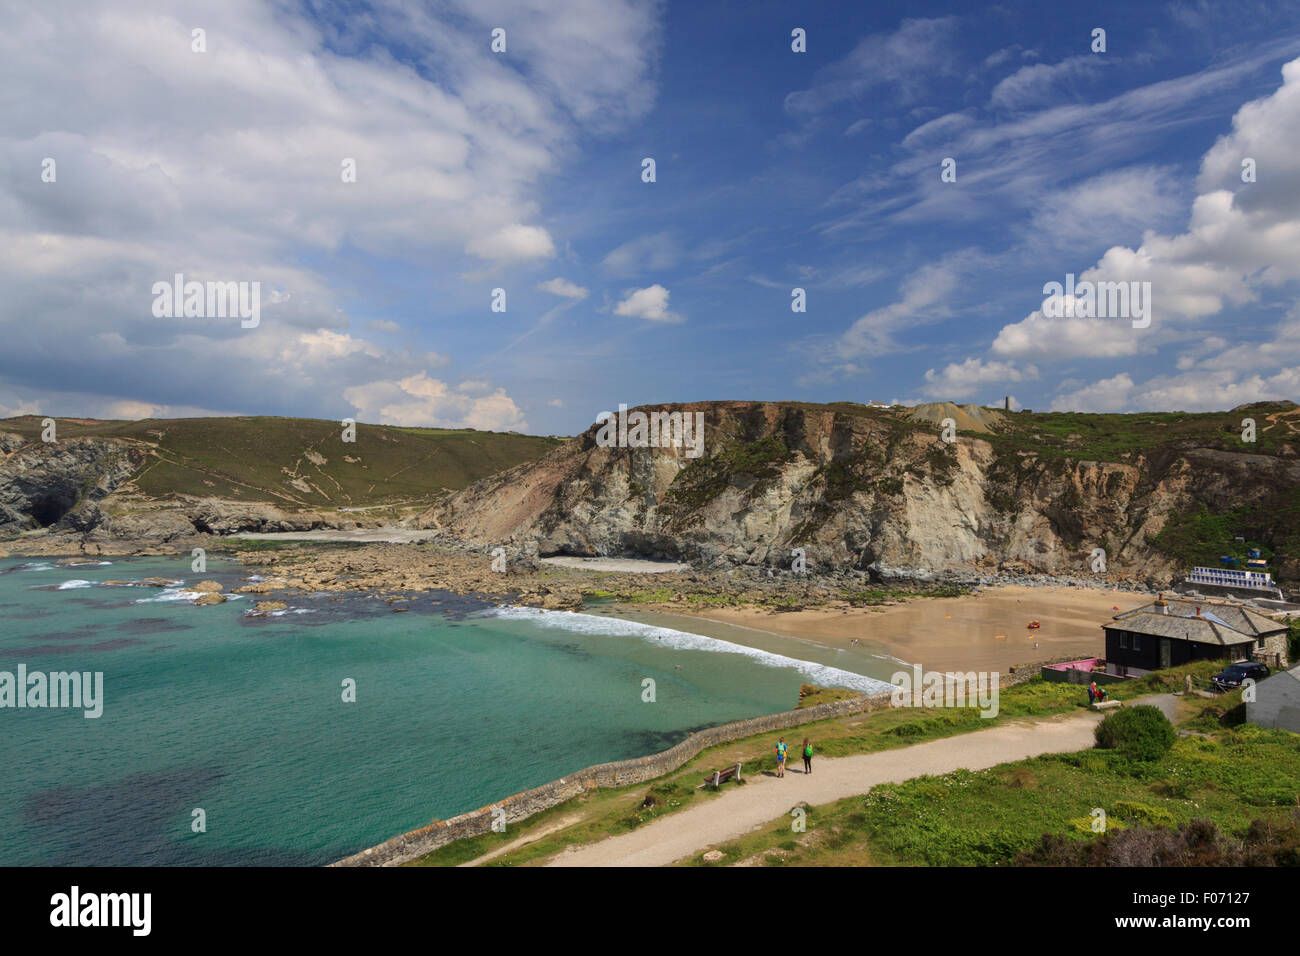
pixel 764 798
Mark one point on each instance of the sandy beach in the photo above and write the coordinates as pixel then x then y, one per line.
pixel 984 631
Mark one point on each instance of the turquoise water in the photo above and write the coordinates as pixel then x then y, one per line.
pixel 457 704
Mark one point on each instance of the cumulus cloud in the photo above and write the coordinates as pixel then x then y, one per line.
pixel 649 303
pixel 421 401
pixel 514 243
pixel 563 288
pixel 1234 250
pixel 960 380
pixel 234 164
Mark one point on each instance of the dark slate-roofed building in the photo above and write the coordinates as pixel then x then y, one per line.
pixel 1172 631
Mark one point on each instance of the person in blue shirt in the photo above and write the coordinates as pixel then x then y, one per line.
pixel 780 757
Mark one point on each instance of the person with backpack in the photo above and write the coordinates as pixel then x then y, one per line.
pixel 807 756
pixel 780 757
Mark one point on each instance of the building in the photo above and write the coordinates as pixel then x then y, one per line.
pixel 1277 701
pixel 1233 582
pixel 1174 631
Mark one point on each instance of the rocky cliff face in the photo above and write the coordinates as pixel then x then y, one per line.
pixel 60 483
pixel 84 485
pixel 856 490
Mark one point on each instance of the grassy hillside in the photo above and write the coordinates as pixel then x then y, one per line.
pixel 1105 437
pixel 299 462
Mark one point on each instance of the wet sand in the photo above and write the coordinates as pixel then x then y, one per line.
pixel 986 631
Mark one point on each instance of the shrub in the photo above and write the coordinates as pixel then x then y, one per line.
pixel 1141 813
pixel 1140 733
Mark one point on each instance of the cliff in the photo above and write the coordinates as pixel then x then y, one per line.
pixel 878 489
pixel 163 479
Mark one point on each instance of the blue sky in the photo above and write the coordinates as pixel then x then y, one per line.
pixel 522 171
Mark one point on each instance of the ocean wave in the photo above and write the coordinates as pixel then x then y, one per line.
pixel 73 584
pixel 821 674
pixel 170 595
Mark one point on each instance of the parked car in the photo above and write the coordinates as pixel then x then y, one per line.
pixel 1231 677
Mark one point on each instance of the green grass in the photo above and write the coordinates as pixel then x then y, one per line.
pixel 608 812
pixel 304 463
pixel 986 818
pixel 1118 437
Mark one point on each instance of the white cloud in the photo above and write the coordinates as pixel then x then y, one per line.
pixel 383 325
pixel 419 400
pixel 1194 391
pixel 924 299
pixel 1043 82
pixel 514 243
pixel 1235 248
pixel 652 253
pixel 563 288
pixel 904 61
pixel 649 303
pixel 964 379
pixel 227 166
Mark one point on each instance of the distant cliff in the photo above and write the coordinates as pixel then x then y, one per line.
pixel 880 489
pixel 163 479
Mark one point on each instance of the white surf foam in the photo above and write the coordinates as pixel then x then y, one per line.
pixel 73 584
pixel 167 595
pixel 821 674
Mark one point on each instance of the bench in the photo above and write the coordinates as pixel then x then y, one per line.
pixel 1107 704
pixel 719 777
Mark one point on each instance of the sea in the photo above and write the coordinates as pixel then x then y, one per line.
pixel 303 736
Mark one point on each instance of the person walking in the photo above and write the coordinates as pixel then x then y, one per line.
pixel 780 757
pixel 807 756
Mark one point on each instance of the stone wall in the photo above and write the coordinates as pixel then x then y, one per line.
pixel 621 773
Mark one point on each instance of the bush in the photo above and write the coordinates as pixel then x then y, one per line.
pixel 1141 813
pixel 1140 733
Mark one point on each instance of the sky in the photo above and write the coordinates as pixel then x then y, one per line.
pixel 133 149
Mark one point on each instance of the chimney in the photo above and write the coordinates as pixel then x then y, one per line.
pixel 1008 403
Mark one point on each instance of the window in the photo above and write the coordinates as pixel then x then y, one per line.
pixel 1123 640
pixel 1137 642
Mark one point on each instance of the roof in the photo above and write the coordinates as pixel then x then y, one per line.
pixel 1221 624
